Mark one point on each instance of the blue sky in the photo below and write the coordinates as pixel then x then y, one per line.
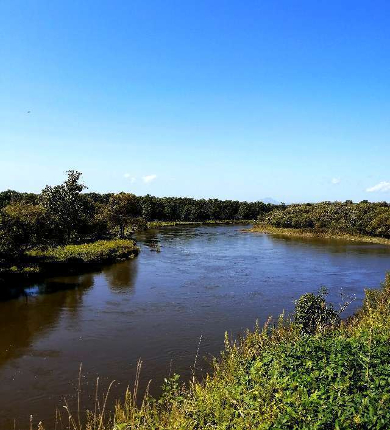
pixel 205 98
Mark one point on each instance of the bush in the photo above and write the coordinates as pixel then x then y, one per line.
pixel 312 313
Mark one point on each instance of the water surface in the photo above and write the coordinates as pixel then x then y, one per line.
pixel 205 281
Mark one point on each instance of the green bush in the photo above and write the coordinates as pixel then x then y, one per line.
pixel 312 313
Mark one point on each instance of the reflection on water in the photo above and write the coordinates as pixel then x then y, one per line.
pixel 121 277
pixel 336 245
pixel 38 310
pixel 205 280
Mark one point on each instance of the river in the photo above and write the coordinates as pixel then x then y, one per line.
pixel 162 307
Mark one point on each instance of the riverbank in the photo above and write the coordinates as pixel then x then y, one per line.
pixel 323 234
pixel 61 259
pixel 279 376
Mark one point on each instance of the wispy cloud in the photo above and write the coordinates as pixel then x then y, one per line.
pixel 149 178
pixel 129 177
pixel 335 181
pixel 382 187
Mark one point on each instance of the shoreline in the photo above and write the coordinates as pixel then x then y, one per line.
pixel 303 233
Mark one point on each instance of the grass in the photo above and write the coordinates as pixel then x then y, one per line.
pixel 278 377
pixel 100 251
pixel 54 260
pixel 310 233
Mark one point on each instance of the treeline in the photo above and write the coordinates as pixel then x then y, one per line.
pixel 65 213
pixel 364 218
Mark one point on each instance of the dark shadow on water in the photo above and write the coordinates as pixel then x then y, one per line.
pixel 25 319
pixel 335 245
pixel 121 277
pixel 67 279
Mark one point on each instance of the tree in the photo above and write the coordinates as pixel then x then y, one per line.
pixel 121 211
pixel 65 205
pixel 147 206
pixel 22 226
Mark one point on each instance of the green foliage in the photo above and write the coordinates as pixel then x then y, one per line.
pixel 121 211
pixel 96 252
pixel 171 392
pixel 22 226
pixel 184 209
pixel 10 196
pixel 312 313
pixel 65 206
pixel 364 218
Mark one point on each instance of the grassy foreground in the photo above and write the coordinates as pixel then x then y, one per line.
pixel 309 233
pixel 281 377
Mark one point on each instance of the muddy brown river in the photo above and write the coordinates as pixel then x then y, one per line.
pixel 203 282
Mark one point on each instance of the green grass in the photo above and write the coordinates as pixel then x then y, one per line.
pixel 277 377
pixel 95 252
pixel 47 260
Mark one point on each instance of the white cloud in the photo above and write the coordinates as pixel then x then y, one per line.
pixel 131 178
pixel 335 181
pixel 149 178
pixel 382 186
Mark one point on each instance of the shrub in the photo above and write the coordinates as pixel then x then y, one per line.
pixel 312 313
